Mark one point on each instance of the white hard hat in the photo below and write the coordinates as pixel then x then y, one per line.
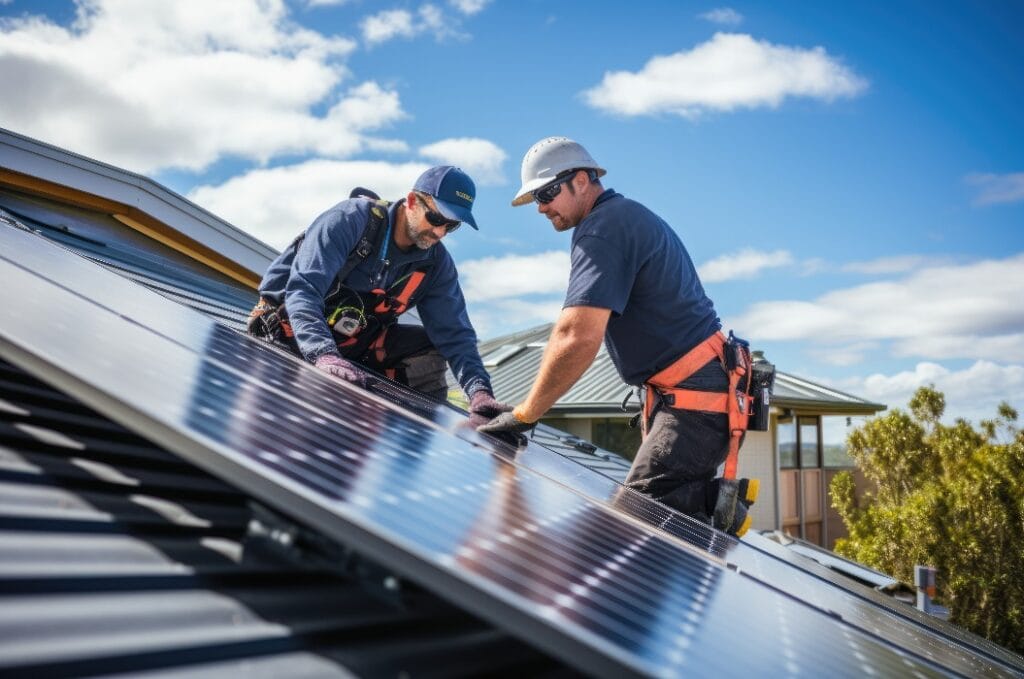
pixel 546 160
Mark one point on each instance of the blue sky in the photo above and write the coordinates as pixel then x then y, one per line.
pixel 848 177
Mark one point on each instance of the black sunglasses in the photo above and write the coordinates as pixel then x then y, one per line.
pixel 549 192
pixel 436 218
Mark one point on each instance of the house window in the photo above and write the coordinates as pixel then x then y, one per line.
pixel 810 443
pixel 614 434
pixel 785 432
pixel 801 484
pixel 834 431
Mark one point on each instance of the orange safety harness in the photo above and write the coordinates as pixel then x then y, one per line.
pixel 736 402
pixel 387 310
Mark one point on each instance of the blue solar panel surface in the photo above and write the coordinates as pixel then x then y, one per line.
pixel 562 556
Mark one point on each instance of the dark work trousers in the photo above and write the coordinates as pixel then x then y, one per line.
pixel 676 463
pixel 409 358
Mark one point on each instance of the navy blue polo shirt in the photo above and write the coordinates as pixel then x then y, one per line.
pixel 303 274
pixel 627 259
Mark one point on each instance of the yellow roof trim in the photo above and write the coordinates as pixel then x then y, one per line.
pixel 134 219
pixel 177 242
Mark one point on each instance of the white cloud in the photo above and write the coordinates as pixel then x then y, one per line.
pixel 997 188
pixel 1007 347
pixel 843 355
pixel 492 278
pixel 723 15
pixel 327 3
pixel 729 71
pixel 944 311
pixel 469 7
pixel 400 23
pixel 276 204
pixel 148 85
pixel 972 393
pixel 744 264
pixel 383 26
pixel 501 317
pixel 888 265
pixel 482 159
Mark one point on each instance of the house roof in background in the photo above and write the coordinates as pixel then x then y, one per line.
pixel 37 167
pixel 513 361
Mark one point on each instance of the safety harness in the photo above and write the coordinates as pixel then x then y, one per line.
pixel 734 354
pixel 347 312
pixel 386 306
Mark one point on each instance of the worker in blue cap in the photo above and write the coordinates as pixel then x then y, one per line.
pixel 335 294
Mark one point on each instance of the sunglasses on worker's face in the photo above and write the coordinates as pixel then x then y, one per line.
pixel 436 218
pixel 549 192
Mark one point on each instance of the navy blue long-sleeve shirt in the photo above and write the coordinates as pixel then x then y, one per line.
pixel 302 276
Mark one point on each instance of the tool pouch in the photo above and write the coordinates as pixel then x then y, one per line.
pixel 265 321
pixel 762 383
pixel 737 353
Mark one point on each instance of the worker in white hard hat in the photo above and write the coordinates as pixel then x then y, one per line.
pixel 633 285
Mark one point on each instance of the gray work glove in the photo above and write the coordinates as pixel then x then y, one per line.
pixel 483 408
pixel 508 428
pixel 335 365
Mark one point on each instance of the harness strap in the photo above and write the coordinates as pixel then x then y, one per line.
pixel 399 303
pixel 691 362
pixel 735 403
pixel 377 346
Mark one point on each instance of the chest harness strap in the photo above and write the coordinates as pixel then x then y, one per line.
pixel 736 402
pixel 388 308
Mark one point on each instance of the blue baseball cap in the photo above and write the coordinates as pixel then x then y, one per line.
pixel 453 192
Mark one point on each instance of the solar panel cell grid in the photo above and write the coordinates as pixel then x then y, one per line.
pixel 567 572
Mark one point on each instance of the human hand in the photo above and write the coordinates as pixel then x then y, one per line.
pixel 508 427
pixel 335 365
pixel 483 407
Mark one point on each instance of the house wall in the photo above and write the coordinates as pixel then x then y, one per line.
pixel 577 426
pixel 757 461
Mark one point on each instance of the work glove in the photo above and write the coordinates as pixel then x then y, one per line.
pixel 507 427
pixel 335 365
pixel 483 408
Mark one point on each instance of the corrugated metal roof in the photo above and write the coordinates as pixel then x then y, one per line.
pixel 601 391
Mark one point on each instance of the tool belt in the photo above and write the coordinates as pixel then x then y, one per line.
pixel 736 402
pixel 359 325
pixel 268 321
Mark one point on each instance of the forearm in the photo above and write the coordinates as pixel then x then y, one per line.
pixel 573 344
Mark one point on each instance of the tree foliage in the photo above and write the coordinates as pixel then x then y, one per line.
pixel 948 496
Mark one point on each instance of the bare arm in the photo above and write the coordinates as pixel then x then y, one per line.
pixel 571 349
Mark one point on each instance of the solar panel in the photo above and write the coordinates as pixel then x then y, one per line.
pixel 559 556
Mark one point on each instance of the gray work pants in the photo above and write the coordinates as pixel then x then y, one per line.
pixel 677 461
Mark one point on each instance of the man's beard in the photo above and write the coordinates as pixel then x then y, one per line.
pixel 423 239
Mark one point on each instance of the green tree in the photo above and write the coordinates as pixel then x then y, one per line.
pixel 948 496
